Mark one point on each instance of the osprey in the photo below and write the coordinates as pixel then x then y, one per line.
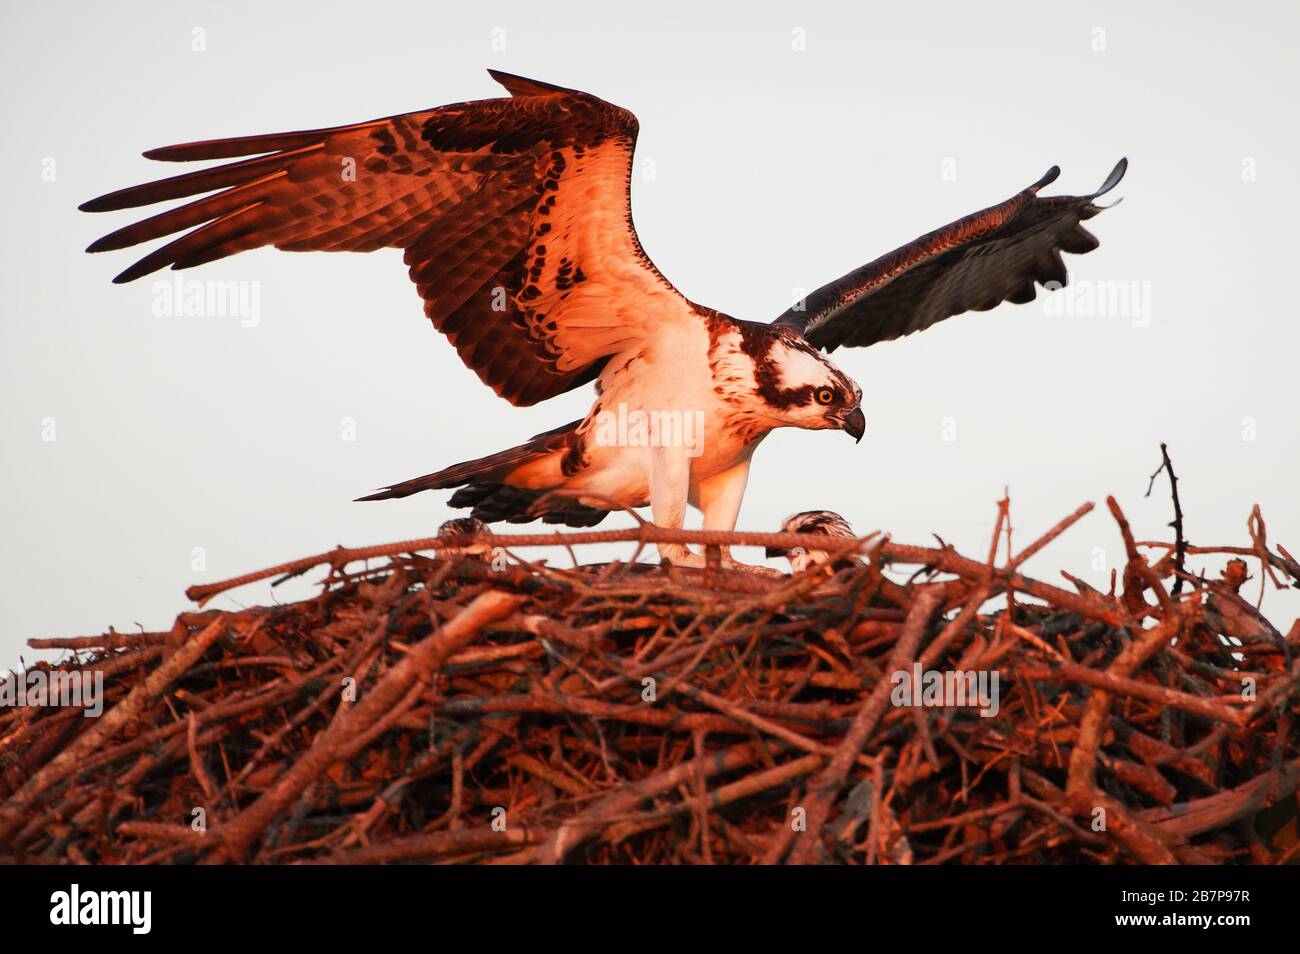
pixel 515 218
pixel 464 527
pixel 826 522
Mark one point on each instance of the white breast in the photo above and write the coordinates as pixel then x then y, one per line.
pixel 670 388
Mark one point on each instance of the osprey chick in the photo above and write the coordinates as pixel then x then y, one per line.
pixel 826 522
pixel 462 526
pixel 514 216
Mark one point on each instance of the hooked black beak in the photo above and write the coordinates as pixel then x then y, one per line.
pixel 855 424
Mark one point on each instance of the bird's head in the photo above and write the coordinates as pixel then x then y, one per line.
pixel 826 522
pixel 460 527
pixel 802 388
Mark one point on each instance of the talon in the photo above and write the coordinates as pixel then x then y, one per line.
pixel 731 563
pixel 682 556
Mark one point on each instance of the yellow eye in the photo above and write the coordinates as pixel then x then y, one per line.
pixel 825 395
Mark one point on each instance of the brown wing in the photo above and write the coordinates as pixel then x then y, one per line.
pixel 973 264
pixel 514 215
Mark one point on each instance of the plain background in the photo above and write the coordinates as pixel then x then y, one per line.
pixel 781 146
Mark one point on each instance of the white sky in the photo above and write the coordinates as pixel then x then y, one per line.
pixel 774 168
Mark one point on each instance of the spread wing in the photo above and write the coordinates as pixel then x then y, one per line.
pixel 973 264
pixel 514 214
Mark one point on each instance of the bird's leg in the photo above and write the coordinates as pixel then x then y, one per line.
pixel 670 471
pixel 719 498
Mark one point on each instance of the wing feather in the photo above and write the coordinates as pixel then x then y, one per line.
pixel 514 215
pixel 976 263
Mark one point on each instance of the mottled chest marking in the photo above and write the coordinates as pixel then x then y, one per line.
pixel 575 456
pixel 729 366
pixel 732 368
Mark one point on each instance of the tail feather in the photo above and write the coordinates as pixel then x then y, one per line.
pixel 485 489
pixel 493 503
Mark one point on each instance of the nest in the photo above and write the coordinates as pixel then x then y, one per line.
pixel 443 700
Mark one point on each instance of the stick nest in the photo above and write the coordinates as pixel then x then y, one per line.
pixel 469 706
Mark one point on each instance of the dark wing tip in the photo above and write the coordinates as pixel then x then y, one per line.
pixel 183 152
pixel 100 244
pixel 97 204
pixel 174 153
pixel 130 275
pixel 1113 179
pixel 523 86
pixel 189 151
pixel 1048 178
